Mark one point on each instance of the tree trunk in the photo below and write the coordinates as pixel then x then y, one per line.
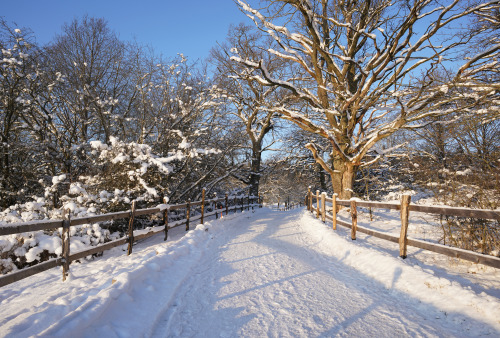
pixel 322 178
pixel 255 169
pixel 5 201
pixel 343 178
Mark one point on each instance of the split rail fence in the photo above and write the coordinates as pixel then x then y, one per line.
pixel 405 207
pixel 217 206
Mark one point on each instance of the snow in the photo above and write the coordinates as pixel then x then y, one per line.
pixel 77 188
pixel 464 173
pixel 98 145
pixel 120 158
pixel 58 179
pixel 162 206
pixel 45 242
pixel 267 273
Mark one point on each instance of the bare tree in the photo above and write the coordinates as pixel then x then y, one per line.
pixel 367 70
pixel 300 160
pixel 173 108
pixel 246 99
pixel 17 66
pixel 95 65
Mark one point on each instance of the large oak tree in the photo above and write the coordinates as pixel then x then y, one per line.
pixel 367 70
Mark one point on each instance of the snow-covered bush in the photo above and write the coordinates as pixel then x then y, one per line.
pixel 121 173
pixel 20 250
pixel 27 249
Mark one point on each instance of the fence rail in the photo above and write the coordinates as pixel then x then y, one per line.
pixel 67 257
pixel 403 240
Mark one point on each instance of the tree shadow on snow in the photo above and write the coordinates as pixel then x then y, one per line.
pixel 369 303
pixel 392 249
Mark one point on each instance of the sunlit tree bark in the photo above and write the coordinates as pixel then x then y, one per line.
pixel 367 70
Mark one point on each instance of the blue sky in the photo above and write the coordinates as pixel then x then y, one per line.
pixel 191 27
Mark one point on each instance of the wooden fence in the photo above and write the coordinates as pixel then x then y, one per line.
pixel 218 206
pixel 288 206
pixel 405 207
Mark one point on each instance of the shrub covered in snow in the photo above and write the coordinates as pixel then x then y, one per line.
pixel 121 173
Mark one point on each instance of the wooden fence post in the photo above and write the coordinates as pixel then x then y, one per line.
pixel 188 213
pixel 405 213
pixel 317 203
pixel 354 217
pixel 227 205
pixel 131 229
pixel 334 211
pixel 165 219
pixel 235 204
pixel 242 203
pixel 214 205
pixel 308 198
pixel 65 243
pixel 323 206
pixel 202 205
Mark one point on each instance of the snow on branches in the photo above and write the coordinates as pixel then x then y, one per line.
pixel 363 71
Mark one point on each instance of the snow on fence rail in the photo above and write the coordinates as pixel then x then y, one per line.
pixel 405 207
pixel 238 202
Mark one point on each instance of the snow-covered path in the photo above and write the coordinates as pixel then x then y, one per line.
pixel 268 277
pixel 266 273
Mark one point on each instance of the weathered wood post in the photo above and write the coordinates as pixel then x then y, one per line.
pixel 66 223
pixel 165 219
pixel 235 204
pixel 227 205
pixel 202 205
pixel 248 207
pixel 405 213
pixel 334 211
pixel 188 213
pixel 242 203
pixel 214 207
pixel 308 199
pixel 323 206
pixel 354 217
pixel 317 203
pixel 131 229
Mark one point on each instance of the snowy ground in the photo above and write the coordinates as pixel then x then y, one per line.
pixel 267 273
